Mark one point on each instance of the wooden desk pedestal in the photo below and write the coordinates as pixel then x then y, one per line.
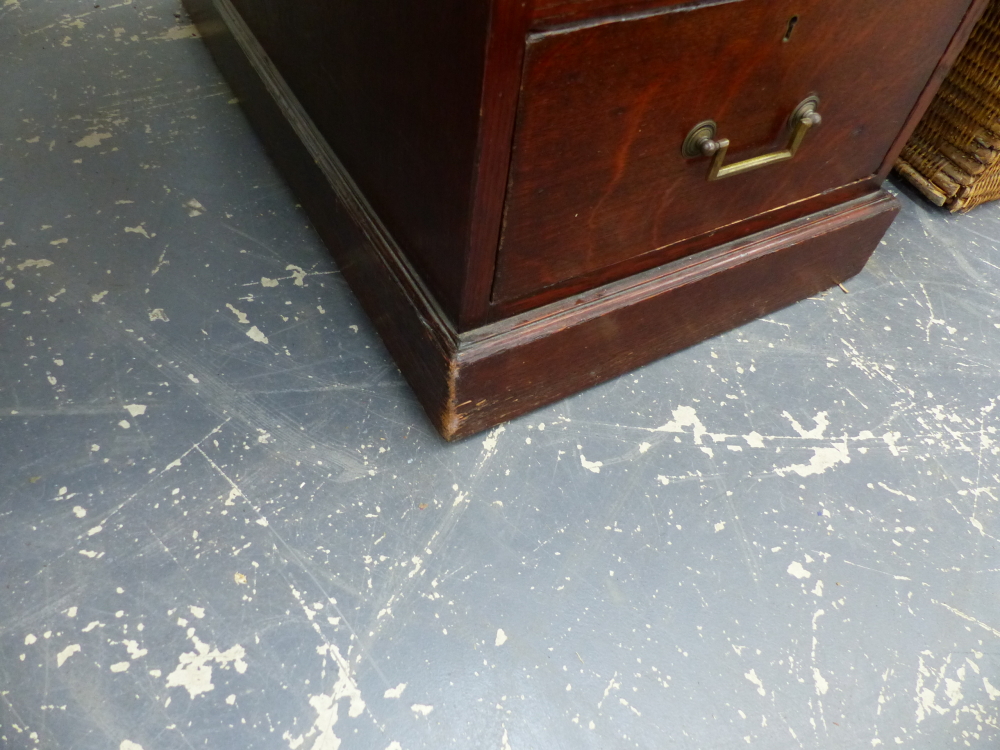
pixel 519 193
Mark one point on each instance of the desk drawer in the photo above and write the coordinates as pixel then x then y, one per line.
pixel 598 180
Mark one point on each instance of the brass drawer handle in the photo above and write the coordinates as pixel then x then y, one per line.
pixel 701 142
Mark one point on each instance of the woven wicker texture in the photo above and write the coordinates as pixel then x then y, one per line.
pixel 953 157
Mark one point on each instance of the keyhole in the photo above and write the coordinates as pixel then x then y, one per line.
pixel 791 27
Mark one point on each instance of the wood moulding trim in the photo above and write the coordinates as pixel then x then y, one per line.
pixel 604 19
pixel 596 302
pixel 690 246
pixel 345 189
pixel 473 380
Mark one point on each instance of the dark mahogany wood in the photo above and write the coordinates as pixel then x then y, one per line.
pixel 501 82
pixel 597 177
pixel 395 87
pixel 417 239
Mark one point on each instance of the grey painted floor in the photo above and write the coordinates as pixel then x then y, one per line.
pixel 226 523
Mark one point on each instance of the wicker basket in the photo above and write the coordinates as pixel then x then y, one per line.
pixel 953 157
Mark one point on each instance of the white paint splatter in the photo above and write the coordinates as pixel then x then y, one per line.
pixel 490 446
pixel 194 672
pixel 67 652
pixel 395 692
pixel 133 649
pixel 194 208
pixel 198 612
pixel 990 690
pixel 124 424
pixel 420 708
pixel 685 416
pixel 92 140
pixel 297 274
pixel 821 684
pixel 98 297
pixel 71 612
pixel 40 263
pixel 720 526
pixel 135 409
pixel 822 459
pixel 798 571
pixel 158 314
pixel 753 678
pixel 29 639
pixel 326 707
pixel 890 439
pixel 240 316
pixel 594 466
pixel 264 281
pixel 501 637
pixel 643 447
pixel 754 439
pixel 139 230
pixel 121 666
pixel 953 690
pixel 816 434
pixel 129 745
pixel 255 334
pixel 925 697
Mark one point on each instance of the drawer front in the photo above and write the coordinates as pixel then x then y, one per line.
pixel 598 178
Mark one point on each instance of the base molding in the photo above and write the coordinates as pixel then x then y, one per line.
pixel 470 381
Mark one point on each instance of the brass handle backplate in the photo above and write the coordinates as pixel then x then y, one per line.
pixel 701 141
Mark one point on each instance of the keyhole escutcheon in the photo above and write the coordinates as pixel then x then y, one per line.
pixel 791 27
